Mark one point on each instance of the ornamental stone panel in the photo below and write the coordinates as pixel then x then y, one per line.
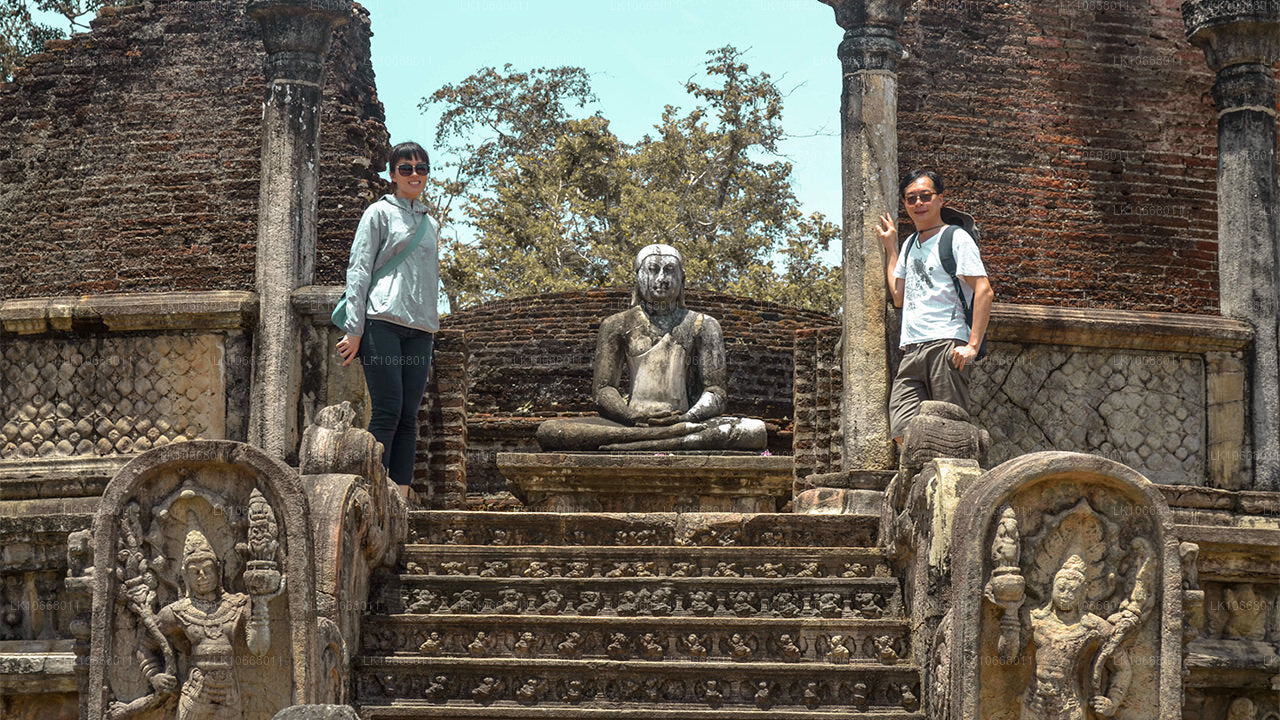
pixel 1143 409
pixel 113 395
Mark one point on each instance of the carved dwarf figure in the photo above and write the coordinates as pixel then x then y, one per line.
pixel 571 647
pixel 788 649
pixel 677 363
pixel 438 689
pixel 738 649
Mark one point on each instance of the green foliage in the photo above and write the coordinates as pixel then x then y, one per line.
pixel 21 34
pixel 559 202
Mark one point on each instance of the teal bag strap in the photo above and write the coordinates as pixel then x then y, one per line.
pixel 403 254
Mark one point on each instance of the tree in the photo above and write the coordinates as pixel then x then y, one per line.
pixel 21 34
pixel 559 202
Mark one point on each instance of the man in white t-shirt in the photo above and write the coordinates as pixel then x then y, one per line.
pixel 937 343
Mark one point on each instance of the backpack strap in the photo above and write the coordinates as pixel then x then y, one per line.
pixel 945 252
pixel 947 257
pixel 906 246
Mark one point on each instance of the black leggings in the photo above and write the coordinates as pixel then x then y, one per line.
pixel 396 361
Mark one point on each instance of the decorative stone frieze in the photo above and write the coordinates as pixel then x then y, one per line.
pixel 112 395
pixel 480 682
pixel 104 377
pixel 1145 410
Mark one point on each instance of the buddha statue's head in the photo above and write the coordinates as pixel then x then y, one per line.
pixel 659 275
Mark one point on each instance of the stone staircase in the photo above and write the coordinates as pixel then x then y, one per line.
pixel 649 615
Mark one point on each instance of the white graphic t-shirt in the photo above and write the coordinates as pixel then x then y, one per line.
pixel 931 309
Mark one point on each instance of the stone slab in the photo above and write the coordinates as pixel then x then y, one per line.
pixel 838 501
pixel 37 671
pixel 317 712
pixel 846 480
pixel 131 312
pixel 648 482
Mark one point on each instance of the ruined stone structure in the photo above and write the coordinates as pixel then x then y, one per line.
pixel 186 496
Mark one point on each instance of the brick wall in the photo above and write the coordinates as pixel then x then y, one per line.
pixel 133 153
pixel 440 474
pixel 817 445
pixel 1083 138
pixel 530 359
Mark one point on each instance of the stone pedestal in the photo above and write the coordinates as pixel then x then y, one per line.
pixel 645 482
pixel 869 57
pixel 1241 43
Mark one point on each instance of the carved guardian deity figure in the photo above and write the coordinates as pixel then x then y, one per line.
pixel 1064 638
pixel 203 626
pixel 676 360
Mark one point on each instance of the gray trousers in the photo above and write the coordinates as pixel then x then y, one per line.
pixel 926 373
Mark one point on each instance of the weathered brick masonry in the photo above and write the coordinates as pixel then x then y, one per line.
pixel 1082 135
pixel 132 154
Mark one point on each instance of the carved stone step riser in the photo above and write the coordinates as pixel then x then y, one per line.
pixel 441 527
pixel 869 598
pixel 512 711
pixel 754 640
pixel 588 684
pixel 542 561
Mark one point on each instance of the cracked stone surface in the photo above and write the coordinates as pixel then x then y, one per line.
pixel 1145 410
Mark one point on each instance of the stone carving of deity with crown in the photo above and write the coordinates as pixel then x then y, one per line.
pixel 202 627
pixel 1081 665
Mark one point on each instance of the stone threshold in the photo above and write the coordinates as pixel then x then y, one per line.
pixel 1117 329
pixel 58 477
pixel 126 312
pixel 37 666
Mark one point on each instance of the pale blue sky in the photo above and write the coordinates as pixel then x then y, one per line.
pixel 639 54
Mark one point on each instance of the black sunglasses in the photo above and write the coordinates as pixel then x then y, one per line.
pixel 406 169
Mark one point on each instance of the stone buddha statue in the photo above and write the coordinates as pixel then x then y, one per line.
pixel 676 361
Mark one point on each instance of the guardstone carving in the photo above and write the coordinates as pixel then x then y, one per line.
pixel 1066 596
pixel 202 594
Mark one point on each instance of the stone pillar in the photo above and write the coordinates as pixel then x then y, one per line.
pixel 1241 43
pixel 869 57
pixel 296 34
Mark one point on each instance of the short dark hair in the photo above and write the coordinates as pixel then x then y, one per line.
pixel 406 151
pixel 915 175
